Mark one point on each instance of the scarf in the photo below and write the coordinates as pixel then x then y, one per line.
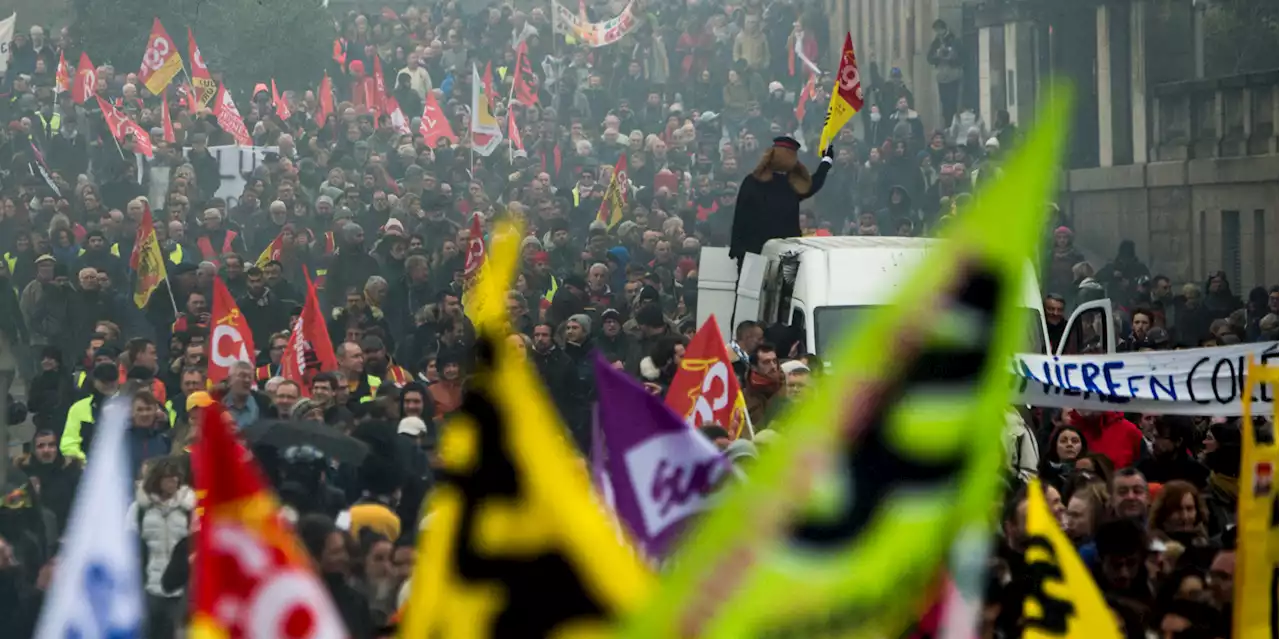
pixel 555 151
pixel 1225 483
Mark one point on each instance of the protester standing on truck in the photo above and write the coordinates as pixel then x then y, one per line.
pixel 768 204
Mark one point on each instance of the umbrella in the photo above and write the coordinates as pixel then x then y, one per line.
pixel 324 438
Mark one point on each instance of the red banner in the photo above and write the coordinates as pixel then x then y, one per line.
pixel 206 88
pixel 475 248
pixel 252 578
pixel 86 84
pixel 160 61
pixel 523 81
pixel 513 130
pixel 228 116
pixel 282 107
pixel 377 103
pixel 309 351
pixel 230 340
pixel 705 390
pixel 166 120
pixel 434 125
pixel 325 100
pixel 396 114
pixel 121 127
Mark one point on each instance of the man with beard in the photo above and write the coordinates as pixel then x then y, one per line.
pixel 350 267
pixel 378 363
pixel 764 380
pixel 53 475
pixel 273 275
pixel 262 308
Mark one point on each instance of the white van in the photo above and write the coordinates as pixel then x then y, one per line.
pixel 823 285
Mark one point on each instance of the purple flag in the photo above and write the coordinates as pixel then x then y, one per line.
pixel 659 472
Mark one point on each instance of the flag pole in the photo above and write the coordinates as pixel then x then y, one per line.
pixel 169 286
pixel 511 117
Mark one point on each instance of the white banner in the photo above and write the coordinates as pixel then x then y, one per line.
pixel 1198 381
pixel 6 40
pixel 594 34
pixel 234 164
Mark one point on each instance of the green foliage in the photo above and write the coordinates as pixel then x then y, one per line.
pixel 1240 36
pixel 249 41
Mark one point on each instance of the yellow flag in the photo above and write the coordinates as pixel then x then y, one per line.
pixel 517 544
pixel 160 61
pixel 1255 601
pixel 146 261
pixel 889 456
pixel 1067 602
pixel 846 97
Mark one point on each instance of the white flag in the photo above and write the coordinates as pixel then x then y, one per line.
pixel 485 132
pixel 97 592
pixel 6 40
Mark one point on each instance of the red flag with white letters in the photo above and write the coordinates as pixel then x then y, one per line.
pixel 434 125
pixel 309 351
pixel 230 339
pixel 704 390
pixel 228 116
pixel 160 61
pixel 122 127
pixel 86 84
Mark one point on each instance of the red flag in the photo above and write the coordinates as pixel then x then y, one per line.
pixel 86 84
pixel 513 130
pixel 121 127
pixel 252 578
pixel 309 350
pixel 166 120
pixel 475 248
pixel 325 100
pixel 282 107
pixel 434 125
pixel 206 88
pixel 231 340
pixel 228 116
pixel 377 102
pixel 522 83
pixel 489 93
pixel 160 61
pixel 146 260
pixel 62 78
pixel 272 252
pixel 705 390
pixel 398 121
pixel 806 94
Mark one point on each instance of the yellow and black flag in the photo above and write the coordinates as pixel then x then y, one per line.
pixel 1255 601
pixel 517 545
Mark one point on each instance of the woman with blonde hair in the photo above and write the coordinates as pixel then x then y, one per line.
pixel 768 205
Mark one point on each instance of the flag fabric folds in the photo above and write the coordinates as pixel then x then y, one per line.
pixel 660 473
pixel 517 546
pixel 614 205
pixel 1066 602
pixel 522 82
pixel 271 252
pixel 893 453
pixel 846 97
pixel 160 61
pixel 62 77
pixel 377 101
pixel 325 96
pixel 228 116
pixel 146 261
pixel 252 578
pixel 434 125
pixel 201 79
pixel 123 127
pixel 705 390
pixel 230 339
pixel 282 107
pixel 485 132
pixel 98 588
pixel 86 84
pixel 166 119
pixel 1254 602
pixel 309 350
pixel 398 121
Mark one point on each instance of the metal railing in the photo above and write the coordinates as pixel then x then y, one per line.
pixel 1233 116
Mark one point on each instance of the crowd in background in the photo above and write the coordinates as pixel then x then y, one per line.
pixel 382 220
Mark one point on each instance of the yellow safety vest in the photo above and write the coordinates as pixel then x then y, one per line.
pixel 374 383
pixel 173 414
pixel 11 260
pixel 175 255
pixel 554 287
pixel 52 124
pixel 80 413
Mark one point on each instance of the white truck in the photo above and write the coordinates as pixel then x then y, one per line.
pixel 823 285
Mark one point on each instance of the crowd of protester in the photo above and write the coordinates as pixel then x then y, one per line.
pixel 382 221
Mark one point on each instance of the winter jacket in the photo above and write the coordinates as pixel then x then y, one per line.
pixel 58 481
pixel 161 525
pixel 1112 435
pixel 46 308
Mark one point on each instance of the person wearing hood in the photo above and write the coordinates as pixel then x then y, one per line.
pixel 350 267
pixel 52 391
pixel 768 205
pixel 56 474
pixel 1122 272
pixel 1218 298
pixel 899 208
pixel 161 516
pixel 1111 434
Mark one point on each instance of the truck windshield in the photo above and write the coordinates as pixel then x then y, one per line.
pixel 832 322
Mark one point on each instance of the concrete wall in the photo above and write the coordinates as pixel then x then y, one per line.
pixel 1175 213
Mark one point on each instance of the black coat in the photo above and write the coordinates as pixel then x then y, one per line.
pixel 769 210
pixel 266 315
